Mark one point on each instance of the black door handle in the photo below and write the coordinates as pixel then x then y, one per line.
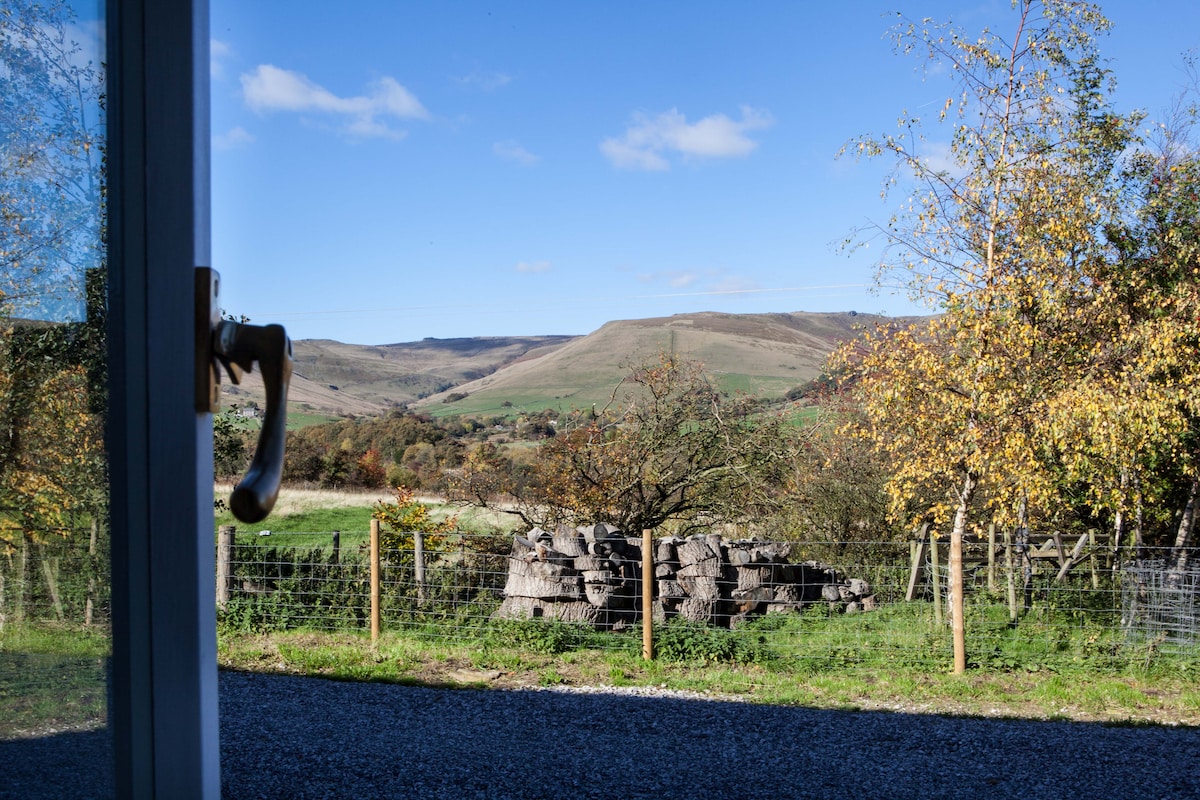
pixel 236 346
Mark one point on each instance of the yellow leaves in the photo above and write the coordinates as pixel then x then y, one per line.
pixel 407 516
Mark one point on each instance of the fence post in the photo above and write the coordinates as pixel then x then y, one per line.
pixel 936 578
pixel 337 548
pixel 647 595
pixel 225 535
pixel 917 550
pixel 1091 534
pixel 419 564
pixel 992 557
pixel 374 581
pixel 90 605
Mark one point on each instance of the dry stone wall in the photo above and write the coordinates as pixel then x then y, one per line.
pixel 593 574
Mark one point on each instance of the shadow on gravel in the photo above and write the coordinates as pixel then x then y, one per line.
pixel 297 738
pixel 290 737
pixel 61 765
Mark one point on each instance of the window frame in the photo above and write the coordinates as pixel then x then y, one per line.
pixel 163 689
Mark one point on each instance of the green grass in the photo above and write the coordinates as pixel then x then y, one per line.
pixel 302 419
pixel 354 522
pixel 51 677
pixel 810 659
pixel 489 405
pixel 350 520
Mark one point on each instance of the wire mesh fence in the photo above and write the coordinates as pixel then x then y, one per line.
pixel 826 604
pixel 314 581
pixel 55 617
pixel 58 575
pixel 1160 603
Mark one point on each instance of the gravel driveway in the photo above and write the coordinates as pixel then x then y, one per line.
pixel 286 737
pixel 297 738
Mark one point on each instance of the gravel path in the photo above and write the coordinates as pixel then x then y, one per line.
pixel 285 737
pixel 299 738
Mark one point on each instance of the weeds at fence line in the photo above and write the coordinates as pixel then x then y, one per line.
pixel 1068 650
pixel 55 641
pixel 1069 623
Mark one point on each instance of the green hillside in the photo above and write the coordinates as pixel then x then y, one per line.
pixel 760 354
pixel 765 355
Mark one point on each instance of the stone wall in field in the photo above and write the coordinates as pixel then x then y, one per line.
pixel 593 574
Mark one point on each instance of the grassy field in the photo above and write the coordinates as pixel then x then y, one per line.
pixel 302 419
pixel 52 677
pixel 307 511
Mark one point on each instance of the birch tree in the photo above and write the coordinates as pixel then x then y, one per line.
pixel 51 269
pixel 996 237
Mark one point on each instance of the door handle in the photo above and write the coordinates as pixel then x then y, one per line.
pixel 235 347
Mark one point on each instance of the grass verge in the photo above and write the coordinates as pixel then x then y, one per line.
pixel 52 678
pixel 747 666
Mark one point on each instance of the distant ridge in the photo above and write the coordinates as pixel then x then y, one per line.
pixel 761 354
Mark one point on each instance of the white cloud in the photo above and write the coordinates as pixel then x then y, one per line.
pixel 938 157
pixel 648 140
pixel 533 266
pixel 511 150
pixel 218 53
pixel 628 156
pixel 233 138
pixel 270 88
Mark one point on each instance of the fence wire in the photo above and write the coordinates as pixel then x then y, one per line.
pixel 55 619
pixel 886 604
pixel 1160 604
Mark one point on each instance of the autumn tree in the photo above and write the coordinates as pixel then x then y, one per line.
pixel 670 450
pixel 52 288
pixel 406 516
pixel 1000 241
pixel 50 152
pixel 1129 428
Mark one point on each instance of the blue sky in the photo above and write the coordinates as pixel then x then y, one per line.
pixel 385 171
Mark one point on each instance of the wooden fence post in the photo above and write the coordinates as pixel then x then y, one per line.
pixel 374 581
pixel 647 595
pixel 225 537
pixel 992 557
pixel 935 578
pixel 337 548
pixel 917 551
pixel 419 564
pixel 90 605
pixel 1092 558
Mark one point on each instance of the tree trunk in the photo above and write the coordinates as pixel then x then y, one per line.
pixel 1183 537
pixel 50 572
pixel 1011 564
pixel 1023 556
pixel 22 582
pixel 957 623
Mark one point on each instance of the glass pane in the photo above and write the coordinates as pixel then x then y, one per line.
pixel 54 567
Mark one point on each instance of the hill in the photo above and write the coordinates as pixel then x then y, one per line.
pixel 761 354
pixel 341 379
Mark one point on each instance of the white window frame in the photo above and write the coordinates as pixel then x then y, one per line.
pixel 163 698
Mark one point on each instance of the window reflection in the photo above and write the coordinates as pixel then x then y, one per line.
pixel 54 565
